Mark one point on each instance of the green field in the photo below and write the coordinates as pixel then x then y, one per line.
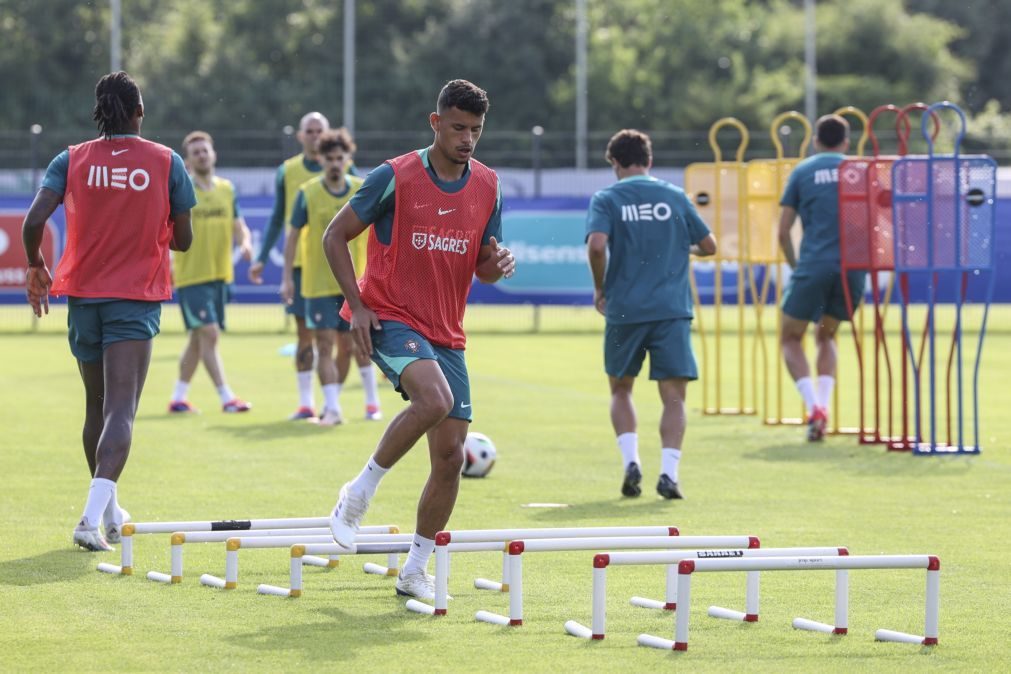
pixel 542 398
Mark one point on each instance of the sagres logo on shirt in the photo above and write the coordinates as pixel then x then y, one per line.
pixel 635 212
pixel 446 241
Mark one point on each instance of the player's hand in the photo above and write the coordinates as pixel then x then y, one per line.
pixel 246 253
pixel 600 302
pixel 363 322
pixel 37 283
pixel 256 273
pixel 504 258
pixel 287 291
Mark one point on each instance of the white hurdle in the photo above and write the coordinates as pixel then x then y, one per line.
pixel 517 549
pixel 363 546
pixel 180 538
pixel 505 535
pixel 688 567
pixel 326 542
pixel 130 529
pixel 604 560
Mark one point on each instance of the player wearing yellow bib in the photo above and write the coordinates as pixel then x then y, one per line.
pixel 203 274
pixel 315 205
pixel 291 175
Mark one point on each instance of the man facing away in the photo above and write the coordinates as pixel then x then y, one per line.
pixel 203 274
pixel 640 233
pixel 435 218
pixel 814 293
pixel 127 201
pixel 315 206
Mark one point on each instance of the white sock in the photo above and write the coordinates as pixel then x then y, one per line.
pixel 112 514
pixel 417 558
pixel 226 394
pixel 369 384
pixel 806 388
pixel 825 384
pixel 368 480
pixel 628 444
pixel 99 493
pixel 331 397
pixel 669 460
pixel 305 389
pixel 182 390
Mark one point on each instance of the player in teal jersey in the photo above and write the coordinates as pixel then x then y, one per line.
pixel 640 233
pixel 814 293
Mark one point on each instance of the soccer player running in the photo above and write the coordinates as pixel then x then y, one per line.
pixel 315 206
pixel 127 201
pixel 639 234
pixel 291 175
pixel 203 274
pixel 435 218
pixel 814 293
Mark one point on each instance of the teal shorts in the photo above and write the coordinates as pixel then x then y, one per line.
pixel 668 342
pixel 323 313
pixel 203 303
pixel 812 293
pixel 297 306
pixel 94 325
pixel 396 346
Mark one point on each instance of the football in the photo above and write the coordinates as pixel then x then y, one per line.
pixel 479 455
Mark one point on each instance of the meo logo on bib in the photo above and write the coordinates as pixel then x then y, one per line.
pixel 635 212
pixel 117 178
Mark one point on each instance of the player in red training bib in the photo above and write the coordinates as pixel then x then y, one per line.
pixel 434 220
pixel 127 201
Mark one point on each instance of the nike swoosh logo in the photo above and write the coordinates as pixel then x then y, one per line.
pixel 116 152
pixel 442 212
pixel 465 405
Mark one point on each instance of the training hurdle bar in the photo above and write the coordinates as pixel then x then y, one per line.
pixel 504 536
pixel 130 529
pixel 234 544
pixel 179 538
pixel 518 548
pixel 301 551
pixel 604 560
pixel 841 564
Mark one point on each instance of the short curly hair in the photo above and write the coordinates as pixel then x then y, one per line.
pixel 463 95
pixel 333 139
pixel 630 147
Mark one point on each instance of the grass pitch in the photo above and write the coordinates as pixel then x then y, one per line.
pixel 543 400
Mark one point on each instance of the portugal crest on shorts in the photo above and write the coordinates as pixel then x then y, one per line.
pixel 411 344
pixel 419 240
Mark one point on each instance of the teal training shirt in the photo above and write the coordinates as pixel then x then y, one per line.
pixel 374 202
pixel 813 191
pixel 650 225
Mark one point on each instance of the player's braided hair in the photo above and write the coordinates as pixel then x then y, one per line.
pixel 117 97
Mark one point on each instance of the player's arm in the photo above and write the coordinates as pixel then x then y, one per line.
pixel 274 228
pixel 596 254
pixel 705 247
pixel 182 231
pixel 182 198
pixel 787 217
pixel 344 227
pixel 37 278
pixel 299 217
pixel 242 238
pixel 494 260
